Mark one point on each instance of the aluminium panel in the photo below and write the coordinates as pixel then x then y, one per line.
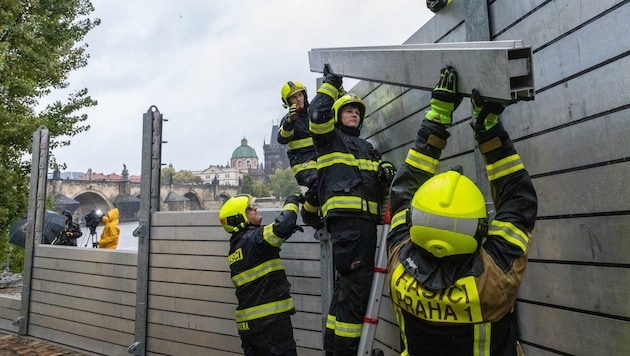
pixel 500 69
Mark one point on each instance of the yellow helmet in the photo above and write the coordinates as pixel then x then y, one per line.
pixel 448 215
pixel 290 88
pixel 346 100
pixel 233 213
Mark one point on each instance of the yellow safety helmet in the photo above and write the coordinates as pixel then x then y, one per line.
pixel 347 100
pixel 448 215
pixel 290 88
pixel 233 213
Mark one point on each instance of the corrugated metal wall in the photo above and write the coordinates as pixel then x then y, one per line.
pixel 573 138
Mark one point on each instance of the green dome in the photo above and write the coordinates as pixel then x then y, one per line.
pixel 244 151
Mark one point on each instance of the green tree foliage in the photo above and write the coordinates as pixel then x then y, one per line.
pixel 261 190
pixel 248 186
pixel 181 177
pixel 40 45
pixel 283 184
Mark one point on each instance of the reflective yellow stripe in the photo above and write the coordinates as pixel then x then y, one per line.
pixel 505 166
pixel 271 237
pixel 329 90
pixel 347 159
pixel 510 233
pixel 257 272
pixel 399 218
pixel 285 133
pixel 421 161
pixel 291 206
pixel 403 333
pixel 349 330
pixel 323 128
pixel 303 166
pixel 301 143
pixel 482 334
pixel 264 310
pixel 349 202
pixel 331 321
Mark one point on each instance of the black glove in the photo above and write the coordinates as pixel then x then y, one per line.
pixel 444 97
pixel 298 228
pixel 386 172
pixel 332 79
pixel 296 199
pixel 485 113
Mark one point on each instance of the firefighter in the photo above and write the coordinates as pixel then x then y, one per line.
pixel 453 276
pixel 111 231
pixel 70 233
pixel 265 306
pixel 294 133
pixel 352 182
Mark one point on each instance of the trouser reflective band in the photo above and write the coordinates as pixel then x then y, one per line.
pixel 263 310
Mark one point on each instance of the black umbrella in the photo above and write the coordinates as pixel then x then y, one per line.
pixel 53 224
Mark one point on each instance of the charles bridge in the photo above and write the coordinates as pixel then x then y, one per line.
pixel 83 196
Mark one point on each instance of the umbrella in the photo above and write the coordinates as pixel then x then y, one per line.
pixel 53 224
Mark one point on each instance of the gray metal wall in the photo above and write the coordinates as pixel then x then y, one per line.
pixel 573 140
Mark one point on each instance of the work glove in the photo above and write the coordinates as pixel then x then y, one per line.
pixel 485 113
pixel 298 228
pixel 437 5
pixel 296 199
pixel 332 79
pixel 386 172
pixel 444 97
pixel 293 113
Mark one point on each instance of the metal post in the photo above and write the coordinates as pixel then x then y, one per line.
pixel 149 203
pixel 478 29
pixel 35 218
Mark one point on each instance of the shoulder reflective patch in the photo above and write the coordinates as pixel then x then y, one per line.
pixel 235 256
pixel 458 303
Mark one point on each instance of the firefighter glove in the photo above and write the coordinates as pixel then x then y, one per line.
pixel 485 113
pixel 386 172
pixel 444 97
pixel 298 228
pixel 292 117
pixel 331 78
pixel 294 199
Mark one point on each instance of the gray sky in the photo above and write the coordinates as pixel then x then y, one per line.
pixel 214 69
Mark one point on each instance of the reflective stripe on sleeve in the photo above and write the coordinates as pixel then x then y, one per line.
pixel 301 143
pixel 505 166
pixel 264 310
pixel 421 161
pixel 510 233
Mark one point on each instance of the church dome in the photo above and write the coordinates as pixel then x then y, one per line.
pixel 244 151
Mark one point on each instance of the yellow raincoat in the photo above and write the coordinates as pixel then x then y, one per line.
pixel 111 232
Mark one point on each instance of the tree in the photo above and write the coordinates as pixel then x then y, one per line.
pixel 181 177
pixel 40 45
pixel 282 183
pixel 248 186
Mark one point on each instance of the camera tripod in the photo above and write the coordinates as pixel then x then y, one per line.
pixel 92 237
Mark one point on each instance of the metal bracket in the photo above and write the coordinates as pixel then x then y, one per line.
pixel 501 70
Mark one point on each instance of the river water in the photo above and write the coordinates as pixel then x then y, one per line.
pixel 126 241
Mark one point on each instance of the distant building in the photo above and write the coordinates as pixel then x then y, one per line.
pixel 275 154
pixel 244 162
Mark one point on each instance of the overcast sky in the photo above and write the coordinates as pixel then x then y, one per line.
pixel 214 69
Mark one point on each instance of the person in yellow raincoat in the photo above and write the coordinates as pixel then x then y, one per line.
pixel 111 232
